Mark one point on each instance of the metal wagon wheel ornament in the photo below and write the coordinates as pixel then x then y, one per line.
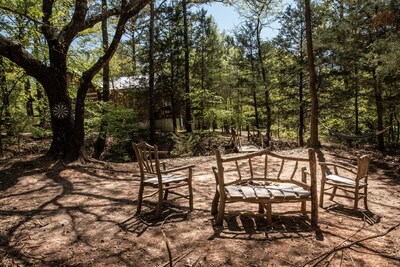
pixel 60 111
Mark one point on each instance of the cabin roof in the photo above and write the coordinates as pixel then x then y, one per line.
pixel 128 82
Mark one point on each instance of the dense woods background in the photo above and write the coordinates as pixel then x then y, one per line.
pixel 60 60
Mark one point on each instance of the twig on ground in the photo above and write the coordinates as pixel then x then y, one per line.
pixel 170 263
pixel 333 254
pixel 323 256
pixel 178 258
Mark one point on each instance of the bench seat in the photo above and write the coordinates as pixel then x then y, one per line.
pixel 264 178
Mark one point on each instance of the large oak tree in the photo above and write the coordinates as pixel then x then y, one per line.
pixel 59 30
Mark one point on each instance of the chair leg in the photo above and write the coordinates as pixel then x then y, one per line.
pixel 314 211
pixel 321 197
pixel 356 200
pixel 333 192
pixel 260 208
pixel 221 211
pixel 366 198
pixel 214 205
pixel 303 207
pixel 190 190
pixel 269 213
pixel 160 202
pixel 140 199
pixel 166 194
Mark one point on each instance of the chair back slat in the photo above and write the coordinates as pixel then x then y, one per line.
pixel 147 158
pixel 251 168
pixel 266 166
pixel 363 166
pixel 281 169
pixel 238 170
pixel 294 170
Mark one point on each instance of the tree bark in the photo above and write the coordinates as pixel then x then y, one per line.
pixel 254 92
pixel 301 87
pixel 301 110
pixel 3 89
pixel 188 125
pixel 151 77
pixel 29 100
pixel 356 109
pixel 379 112
pixel 102 137
pixel 172 93
pixel 313 141
pixel 265 82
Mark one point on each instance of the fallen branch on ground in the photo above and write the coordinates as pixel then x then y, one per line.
pixel 170 262
pixel 170 259
pixel 323 256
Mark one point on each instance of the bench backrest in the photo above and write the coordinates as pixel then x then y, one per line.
pixel 262 166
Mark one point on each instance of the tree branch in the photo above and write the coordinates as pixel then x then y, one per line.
pixel 76 24
pixel 17 54
pixel 130 10
pixel 48 30
pixel 90 22
pixel 21 14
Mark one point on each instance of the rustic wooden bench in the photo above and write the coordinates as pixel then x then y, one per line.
pixel 264 178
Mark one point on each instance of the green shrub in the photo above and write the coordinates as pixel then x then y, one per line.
pixel 184 144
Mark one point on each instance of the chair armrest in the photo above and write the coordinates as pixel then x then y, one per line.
pixel 178 168
pixel 327 164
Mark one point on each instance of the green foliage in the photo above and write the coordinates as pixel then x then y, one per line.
pixel 357 60
pixel 39 132
pixel 121 122
pixel 184 144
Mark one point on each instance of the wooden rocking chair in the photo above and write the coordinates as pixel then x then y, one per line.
pixel 152 175
pixel 352 182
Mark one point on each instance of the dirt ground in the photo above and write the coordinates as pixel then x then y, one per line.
pixel 83 215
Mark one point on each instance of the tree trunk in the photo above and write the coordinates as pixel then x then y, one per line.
pixel 61 119
pixel 133 39
pixel 301 88
pixel 203 89
pixel 266 90
pixel 187 68
pixel 3 90
pixel 56 88
pixel 379 112
pixel 313 141
pixel 301 110
pixel 29 100
pixel 356 111
pixel 172 94
pixel 254 91
pixel 102 137
pixel 397 138
pixel 151 76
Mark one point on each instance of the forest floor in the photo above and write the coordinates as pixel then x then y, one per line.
pixel 83 215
